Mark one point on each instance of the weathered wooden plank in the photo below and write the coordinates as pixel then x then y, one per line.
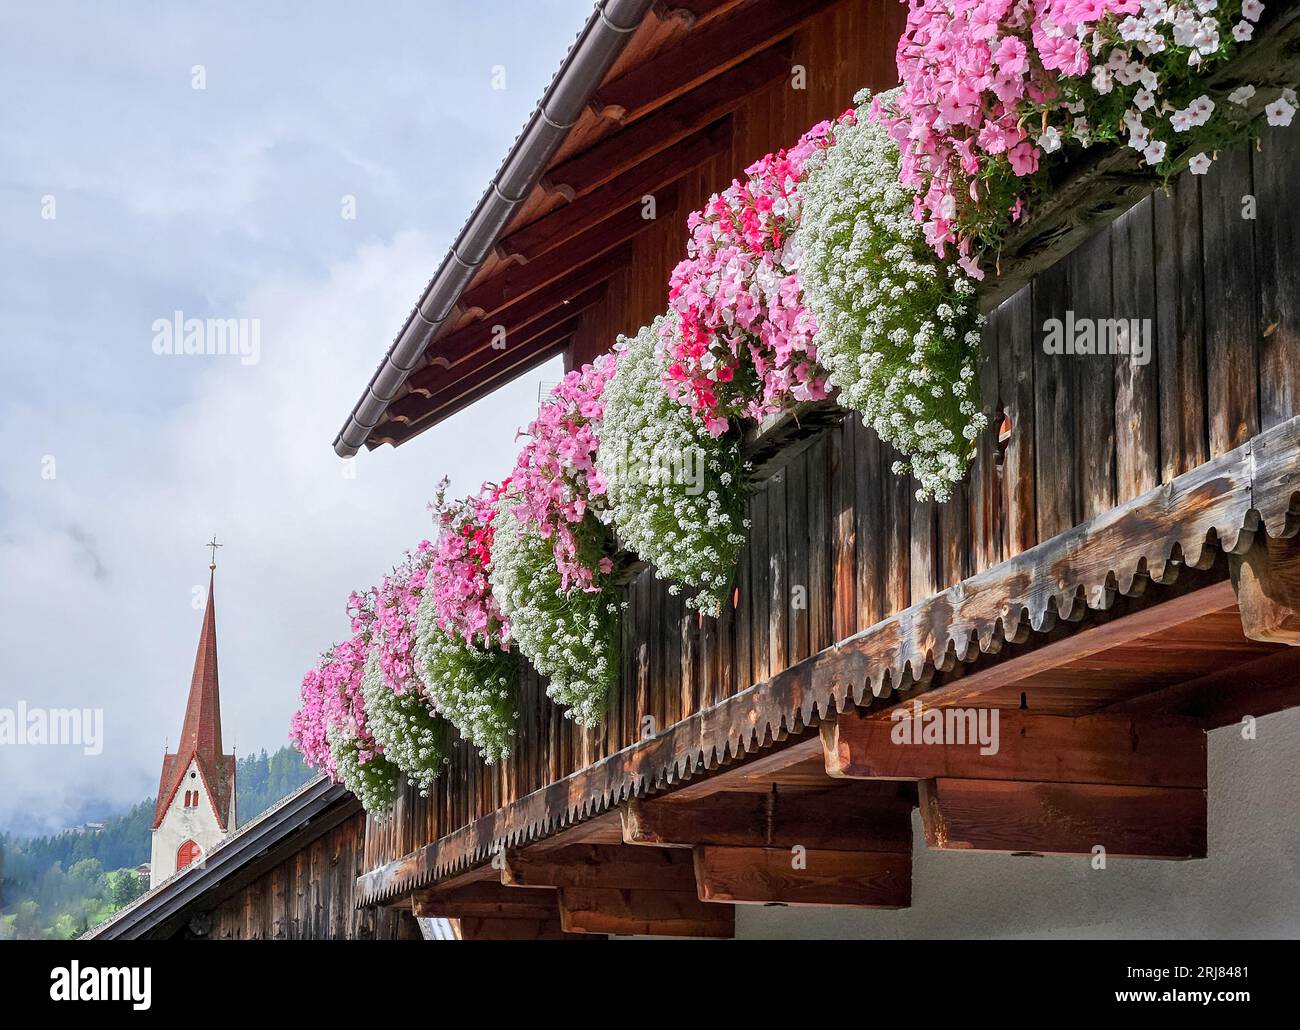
pixel 1137 418
pixel 1017 342
pixel 1179 327
pixel 1228 256
pixel 1276 167
pixel 1056 449
pixel 1089 270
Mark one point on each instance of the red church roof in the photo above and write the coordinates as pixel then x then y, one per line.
pixel 201 735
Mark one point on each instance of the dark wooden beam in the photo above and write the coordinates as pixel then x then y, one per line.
pixel 521 280
pixel 623 150
pixel 837 820
pixel 643 913
pixel 479 336
pixel 1267 581
pixel 601 866
pixel 708 51
pixel 782 876
pixel 646 178
pixel 1064 818
pixel 1106 748
pixel 480 928
pixel 438 387
pixel 485 900
pixel 1226 696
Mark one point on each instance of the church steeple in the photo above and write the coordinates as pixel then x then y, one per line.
pixel 196 792
pixel 202 729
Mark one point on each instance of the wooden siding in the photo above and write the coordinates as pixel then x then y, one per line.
pixel 311 895
pixel 1086 434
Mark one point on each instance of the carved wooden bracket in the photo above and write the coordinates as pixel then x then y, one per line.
pixel 1267 581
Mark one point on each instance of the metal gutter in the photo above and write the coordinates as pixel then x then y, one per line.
pixel 598 46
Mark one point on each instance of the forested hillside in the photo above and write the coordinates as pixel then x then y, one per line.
pixel 60 885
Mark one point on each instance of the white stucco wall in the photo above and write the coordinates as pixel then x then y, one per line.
pixel 1249 886
pixel 181 824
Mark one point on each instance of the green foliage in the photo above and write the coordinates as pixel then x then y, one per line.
pixel 57 887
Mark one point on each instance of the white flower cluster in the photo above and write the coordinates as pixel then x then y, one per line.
pixel 473 688
pixel 677 495
pixel 898 329
pixel 373 781
pixel 412 737
pixel 570 637
pixel 1184 35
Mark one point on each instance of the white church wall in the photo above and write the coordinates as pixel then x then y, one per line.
pixel 180 824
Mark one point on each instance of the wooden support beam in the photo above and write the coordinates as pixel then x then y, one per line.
pixel 1106 748
pixel 708 51
pixel 643 913
pixel 611 866
pixel 623 150
pixel 485 900
pixel 521 280
pixel 1064 818
pixel 647 178
pixel 1267 581
pixel 837 820
pixel 479 928
pixel 803 877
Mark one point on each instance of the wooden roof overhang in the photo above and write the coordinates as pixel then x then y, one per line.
pixel 1108 649
pixel 511 297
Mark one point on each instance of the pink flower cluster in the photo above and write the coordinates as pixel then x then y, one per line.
pixel 462 560
pixel 392 607
pixel 738 338
pixel 978 76
pixel 555 482
pixel 331 697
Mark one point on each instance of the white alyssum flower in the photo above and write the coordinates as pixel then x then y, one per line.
pixel 904 358
pixel 570 637
pixel 473 687
pixel 676 494
pixel 405 726
pixel 373 781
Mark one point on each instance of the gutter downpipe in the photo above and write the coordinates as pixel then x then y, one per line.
pixel 602 40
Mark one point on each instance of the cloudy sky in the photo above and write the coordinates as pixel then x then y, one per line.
pixel 222 202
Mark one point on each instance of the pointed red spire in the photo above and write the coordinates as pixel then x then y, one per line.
pixel 202 730
pixel 200 738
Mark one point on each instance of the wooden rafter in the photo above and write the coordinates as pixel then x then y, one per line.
pixel 708 51
pixel 480 336
pixel 442 388
pixel 519 281
pixel 644 179
pixel 617 153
